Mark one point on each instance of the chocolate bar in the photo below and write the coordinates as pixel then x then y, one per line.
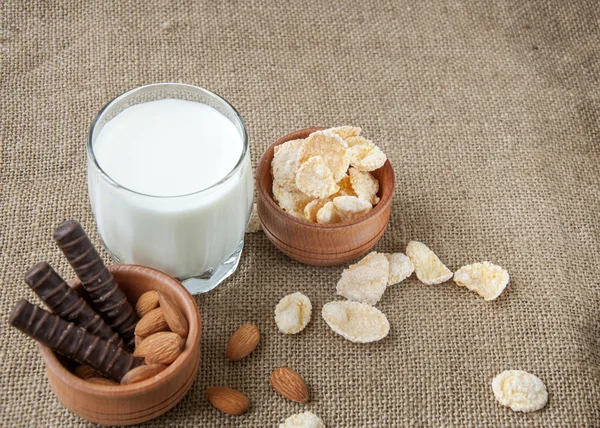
pixel 96 279
pixel 64 302
pixel 71 341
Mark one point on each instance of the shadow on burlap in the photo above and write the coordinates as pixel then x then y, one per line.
pixel 489 114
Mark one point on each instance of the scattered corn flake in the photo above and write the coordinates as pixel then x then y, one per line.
pixel 351 207
pixel 331 147
pixel 428 267
pixel 364 155
pixel 313 207
pixel 400 268
pixel 366 280
pixel 486 279
pixel 291 201
pixel 329 214
pixel 254 222
pixel 519 390
pixel 292 313
pixel 356 321
pixel 364 185
pixel 285 163
pixel 346 131
pixel 303 420
pixel 315 179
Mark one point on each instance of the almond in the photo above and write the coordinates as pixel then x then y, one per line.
pixel 153 322
pixel 85 372
pixel 228 400
pixel 289 384
pixel 101 381
pixel 173 315
pixel 141 373
pixel 138 341
pixel 163 350
pixel 242 342
pixel 146 302
pixel 157 339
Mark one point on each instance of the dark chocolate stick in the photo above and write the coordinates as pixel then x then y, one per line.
pixel 99 283
pixel 64 302
pixel 71 341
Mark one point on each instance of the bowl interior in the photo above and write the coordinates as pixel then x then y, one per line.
pixel 385 176
pixel 134 281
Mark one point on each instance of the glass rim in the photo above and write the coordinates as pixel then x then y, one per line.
pixel 107 106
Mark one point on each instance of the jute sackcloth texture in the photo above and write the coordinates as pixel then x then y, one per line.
pixel 489 113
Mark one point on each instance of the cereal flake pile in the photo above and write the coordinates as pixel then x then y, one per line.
pixel 326 178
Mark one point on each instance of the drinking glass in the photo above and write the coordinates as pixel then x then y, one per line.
pixel 197 237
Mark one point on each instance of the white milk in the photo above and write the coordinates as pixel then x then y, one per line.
pixel 164 156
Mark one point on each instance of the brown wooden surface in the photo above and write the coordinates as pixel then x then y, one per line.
pixel 138 402
pixel 318 244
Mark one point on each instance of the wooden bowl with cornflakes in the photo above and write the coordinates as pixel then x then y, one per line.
pixel 321 244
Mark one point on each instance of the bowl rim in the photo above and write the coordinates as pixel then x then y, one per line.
pixel 68 378
pixel 381 205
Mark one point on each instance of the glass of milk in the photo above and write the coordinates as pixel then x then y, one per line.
pixel 170 182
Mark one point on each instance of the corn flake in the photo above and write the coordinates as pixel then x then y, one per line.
pixel 313 207
pixel 351 207
pixel 364 155
pixel 356 321
pixel 364 185
pixel 329 214
pixel 486 279
pixel 303 420
pixel 519 390
pixel 285 163
pixel 356 140
pixel 400 268
pixel 345 186
pixel 315 179
pixel 292 313
pixel 428 267
pixel 291 201
pixel 366 280
pixel 332 149
pixel 346 131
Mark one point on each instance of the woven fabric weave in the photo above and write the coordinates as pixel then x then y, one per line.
pixel 489 113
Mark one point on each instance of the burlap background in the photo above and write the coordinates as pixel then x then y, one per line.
pixel 489 114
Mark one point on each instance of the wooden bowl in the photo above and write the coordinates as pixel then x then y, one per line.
pixel 321 244
pixel 137 402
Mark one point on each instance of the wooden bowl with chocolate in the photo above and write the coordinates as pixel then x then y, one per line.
pixel 121 343
pixel 324 194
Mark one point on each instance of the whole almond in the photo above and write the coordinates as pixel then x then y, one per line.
pixel 164 350
pixel 228 400
pixel 146 302
pixel 173 315
pixel 101 381
pixel 153 322
pixel 242 342
pixel 157 339
pixel 85 372
pixel 141 373
pixel 289 384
